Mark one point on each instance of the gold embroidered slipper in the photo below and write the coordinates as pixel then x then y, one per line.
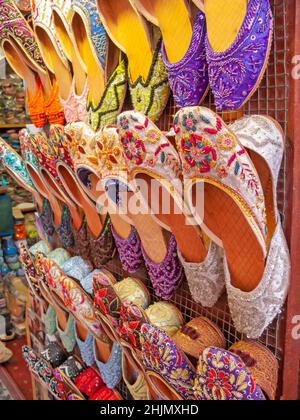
pixel 106 70
pixel 148 80
pixel 221 178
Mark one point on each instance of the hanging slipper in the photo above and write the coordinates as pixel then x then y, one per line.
pixel 109 363
pixel 92 159
pixel 148 80
pixel 198 334
pixel 183 48
pixel 231 192
pixel 75 105
pixel 153 159
pixel 168 369
pixel 46 150
pixel 134 380
pixel 22 52
pixel 106 72
pixel 247 372
pixel 238 46
pixel 50 48
pixel 102 245
pixel 51 208
pixel 264 141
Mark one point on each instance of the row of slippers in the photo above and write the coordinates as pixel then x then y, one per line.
pixel 166 352
pixel 65 377
pixel 237 165
pixel 73 39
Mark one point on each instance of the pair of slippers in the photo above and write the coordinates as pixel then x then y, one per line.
pixel 247 371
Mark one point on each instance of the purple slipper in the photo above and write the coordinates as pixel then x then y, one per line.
pixel 222 375
pixel 162 357
pixel 166 276
pixel 188 77
pixel 130 250
pixel 235 74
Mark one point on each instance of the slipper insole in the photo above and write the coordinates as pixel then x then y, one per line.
pixel 162 389
pixel 93 219
pixel 224 19
pixel 62 74
pixel 175 24
pixel 244 254
pixel 94 72
pixel 103 351
pixel 76 218
pixel 122 228
pixel 44 76
pixel 127 30
pixel 267 185
pixel 82 331
pixel 69 49
pixel 21 68
pixel 150 233
pixel 188 238
pixel 42 188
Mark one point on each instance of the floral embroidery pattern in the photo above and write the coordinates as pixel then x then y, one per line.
pixel 223 376
pixel 233 74
pixel 162 356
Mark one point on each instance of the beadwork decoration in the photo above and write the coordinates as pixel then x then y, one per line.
pixel 96 33
pixel 222 375
pixel 235 73
pixel 150 97
pixel 188 78
pixel 162 356
pixel 13 24
pixel 111 371
pixel 111 103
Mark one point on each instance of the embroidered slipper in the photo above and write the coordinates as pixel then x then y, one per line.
pixel 85 344
pixel 168 369
pixel 45 157
pixel 14 25
pixel 89 382
pixel 39 367
pixel 183 48
pixel 47 150
pixel 148 81
pixel 109 362
pixel 158 246
pixel 34 173
pixel 156 162
pixel 109 298
pixel 75 105
pixel 234 205
pixel 197 335
pixel 91 166
pixel 248 371
pixel 107 78
pixel 264 141
pixel 134 380
pixel 50 48
pixel 238 46
pixel 100 233
pixel 36 83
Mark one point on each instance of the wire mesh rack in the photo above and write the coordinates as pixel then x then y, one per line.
pixel 270 99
